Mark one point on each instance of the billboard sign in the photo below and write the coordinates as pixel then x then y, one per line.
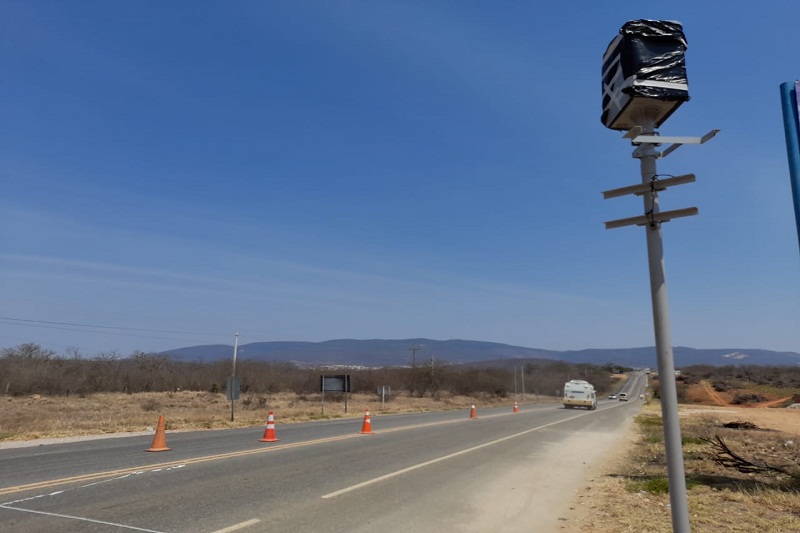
pixel 340 383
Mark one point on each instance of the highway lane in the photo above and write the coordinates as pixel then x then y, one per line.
pixel 421 462
pixel 53 461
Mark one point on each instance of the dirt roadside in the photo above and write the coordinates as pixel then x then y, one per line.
pixel 545 495
pixel 605 486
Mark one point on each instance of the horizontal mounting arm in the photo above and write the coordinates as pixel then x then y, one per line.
pixel 636 137
pixel 645 220
pixel 654 185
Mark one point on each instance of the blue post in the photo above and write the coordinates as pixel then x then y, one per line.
pixel 791 126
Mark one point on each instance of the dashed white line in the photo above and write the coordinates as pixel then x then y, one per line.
pixel 444 458
pixel 239 526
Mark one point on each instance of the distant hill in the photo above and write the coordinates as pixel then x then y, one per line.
pixel 380 353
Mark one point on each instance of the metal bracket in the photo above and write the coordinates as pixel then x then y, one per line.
pixel 655 218
pixel 636 137
pixel 653 185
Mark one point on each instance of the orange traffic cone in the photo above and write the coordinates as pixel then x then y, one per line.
pixel 160 440
pixel 472 413
pixel 269 433
pixel 366 427
pixel 516 407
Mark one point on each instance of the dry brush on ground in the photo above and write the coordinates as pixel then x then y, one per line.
pixel 757 492
pixel 28 369
pixel 25 418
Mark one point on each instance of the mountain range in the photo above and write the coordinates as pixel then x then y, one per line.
pixel 382 353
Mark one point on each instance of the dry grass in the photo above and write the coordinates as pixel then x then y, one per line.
pixel 630 494
pixel 32 418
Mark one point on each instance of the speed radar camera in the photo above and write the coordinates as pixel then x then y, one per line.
pixel 644 70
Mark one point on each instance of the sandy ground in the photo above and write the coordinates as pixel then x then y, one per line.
pixel 786 420
pixel 543 494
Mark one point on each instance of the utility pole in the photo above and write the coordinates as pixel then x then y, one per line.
pixel 413 351
pixel 413 381
pixel 233 372
pixel 515 382
pixel 646 139
pixel 643 83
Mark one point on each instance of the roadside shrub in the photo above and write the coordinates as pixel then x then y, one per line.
pixel 150 404
pixel 254 401
pixel 658 485
pixel 747 398
pixel 721 386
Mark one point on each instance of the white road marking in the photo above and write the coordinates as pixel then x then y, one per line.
pixel 236 527
pixel 56 493
pixel 79 518
pixel 174 464
pixel 445 458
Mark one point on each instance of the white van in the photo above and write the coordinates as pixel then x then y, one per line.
pixel 623 397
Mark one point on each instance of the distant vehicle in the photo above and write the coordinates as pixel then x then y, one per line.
pixel 647 371
pixel 612 396
pixel 579 393
pixel 623 397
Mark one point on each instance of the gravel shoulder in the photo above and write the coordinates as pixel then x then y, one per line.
pixel 550 493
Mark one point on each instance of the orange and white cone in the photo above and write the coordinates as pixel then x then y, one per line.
pixel 160 440
pixel 516 407
pixel 472 412
pixel 269 433
pixel 366 427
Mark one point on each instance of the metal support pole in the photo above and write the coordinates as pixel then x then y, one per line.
pixel 233 370
pixel 647 154
pixel 515 382
pixel 791 125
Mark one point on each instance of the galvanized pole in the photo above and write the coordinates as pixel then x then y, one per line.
pixel 233 370
pixel 647 155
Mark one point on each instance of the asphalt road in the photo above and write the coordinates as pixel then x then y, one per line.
pixel 417 472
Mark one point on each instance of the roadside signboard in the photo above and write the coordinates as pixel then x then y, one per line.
pixel 384 391
pixel 232 388
pixel 338 383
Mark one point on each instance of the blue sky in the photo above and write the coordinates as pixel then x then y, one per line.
pixel 172 173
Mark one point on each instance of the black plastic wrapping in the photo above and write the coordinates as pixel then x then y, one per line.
pixel 646 61
pixel 654 50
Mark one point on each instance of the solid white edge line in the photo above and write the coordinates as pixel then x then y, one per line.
pixel 79 518
pixel 238 526
pixel 444 458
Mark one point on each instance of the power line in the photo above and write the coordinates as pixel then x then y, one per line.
pixel 114 333
pixel 33 323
